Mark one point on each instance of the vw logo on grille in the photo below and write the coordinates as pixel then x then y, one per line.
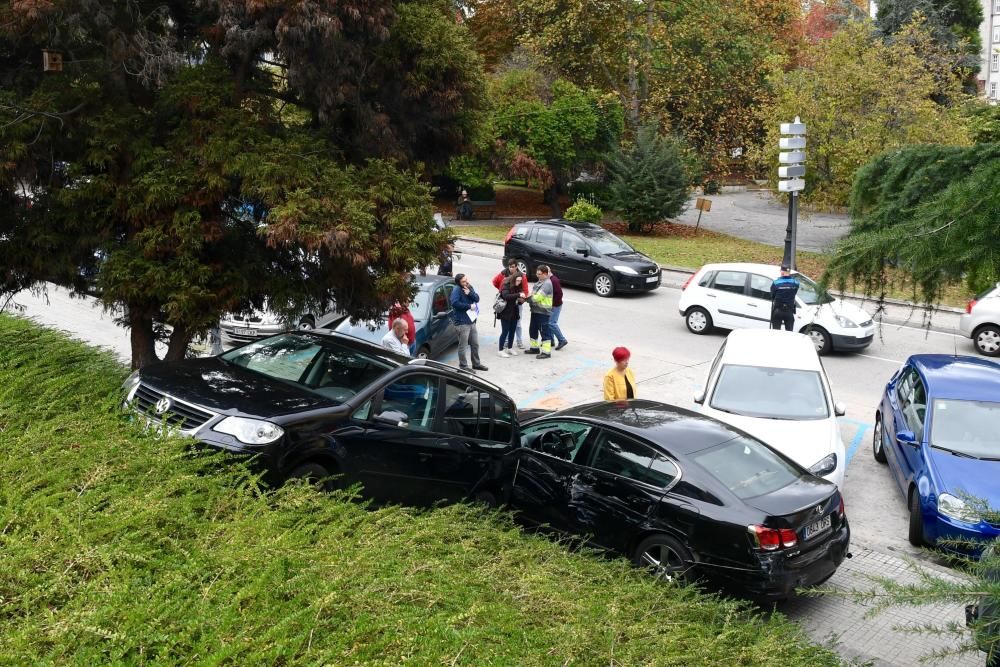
pixel 162 405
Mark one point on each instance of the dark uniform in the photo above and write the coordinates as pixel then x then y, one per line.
pixel 783 291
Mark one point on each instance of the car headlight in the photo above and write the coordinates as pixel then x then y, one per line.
pixel 824 466
pixel 627 270
pixel 956 508
pixel 250 431
pixel 845 322
pixel 131 381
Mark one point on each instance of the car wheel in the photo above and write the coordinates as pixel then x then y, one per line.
pixel 315 474
pixel 664 556
pixel 522 266
pixel 916 535
pixel 698 321
pixel 307 323
pixel 820 338
pixel 424 352
pixel 878 442
pixel 487 498
pixel 987 340
pixel 604 285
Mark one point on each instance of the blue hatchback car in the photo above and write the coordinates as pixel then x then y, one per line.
pixel 938 428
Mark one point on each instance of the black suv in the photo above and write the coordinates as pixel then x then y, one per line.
pixel 581 254
pixel 315 404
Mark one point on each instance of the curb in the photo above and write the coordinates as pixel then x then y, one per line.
pixel 685 271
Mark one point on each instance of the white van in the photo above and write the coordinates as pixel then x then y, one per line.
pixel 772 385
pixel 738 296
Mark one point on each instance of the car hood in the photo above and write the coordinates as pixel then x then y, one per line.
pixel 635 259
pixel 844 309
pixel 960 476
pixel 805 442
pixel 223 387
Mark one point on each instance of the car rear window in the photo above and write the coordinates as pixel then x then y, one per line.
pixel 986 292
pixel 747 467
pixel 521 232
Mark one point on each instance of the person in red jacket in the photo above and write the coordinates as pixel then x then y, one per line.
pixel 498 283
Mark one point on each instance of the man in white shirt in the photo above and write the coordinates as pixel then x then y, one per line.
pixel 397 339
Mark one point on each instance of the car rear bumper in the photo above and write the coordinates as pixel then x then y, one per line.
pixel 780 575
pixel 966 325
pixel 850 343
pixel 229 331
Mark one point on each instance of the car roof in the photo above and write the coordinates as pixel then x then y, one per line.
pixel 358 344
pixel 428 282
pixel 959 377
pixel 558 222
pixel 678 430
pixel 771 348
pixel 767 270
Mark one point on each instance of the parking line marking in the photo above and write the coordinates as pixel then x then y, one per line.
pixel 547 389
pixel 856 442
pixel 871 356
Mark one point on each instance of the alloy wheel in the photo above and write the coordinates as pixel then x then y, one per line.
pixel 603 285
pixel 522 266
pixel 663 562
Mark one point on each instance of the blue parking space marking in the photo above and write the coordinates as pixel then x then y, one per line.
pixel 856 441
pixel 546 391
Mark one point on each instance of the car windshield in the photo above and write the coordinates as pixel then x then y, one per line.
pixel 772 393
pixel 968 428
pixel 419 305
pixel 747 467
pixel 312 363
pixel 810 292
pixel 606 243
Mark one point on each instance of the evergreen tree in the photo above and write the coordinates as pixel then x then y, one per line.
pixel 953 23
pixel 649 182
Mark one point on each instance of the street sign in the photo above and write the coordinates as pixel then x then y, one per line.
pixel 791 143
pixel 792 185
pixel 793 171
pixel 792 157
pixel 793 128
pixel 703 204
pixel 52 61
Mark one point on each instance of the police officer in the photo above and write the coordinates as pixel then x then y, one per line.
pixel 783 291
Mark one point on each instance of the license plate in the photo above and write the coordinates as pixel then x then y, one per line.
pixel 245 332
pixel 652 279
pixel 818 527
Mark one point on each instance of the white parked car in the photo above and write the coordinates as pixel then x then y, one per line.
pixel 981 321
pixel 246 327
pixel 738 296
pixel 772 385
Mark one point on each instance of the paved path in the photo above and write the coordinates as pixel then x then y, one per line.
pixel 754 215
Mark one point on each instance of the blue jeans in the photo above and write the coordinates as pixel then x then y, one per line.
pixel 507 329
pixel 556 332
pixel 517 326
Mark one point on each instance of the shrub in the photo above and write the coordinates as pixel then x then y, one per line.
pixel 649 182
pixel 584 210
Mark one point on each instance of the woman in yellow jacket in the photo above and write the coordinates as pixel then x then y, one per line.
pixel 619 382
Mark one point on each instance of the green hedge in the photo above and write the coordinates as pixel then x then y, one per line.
pixel 117 547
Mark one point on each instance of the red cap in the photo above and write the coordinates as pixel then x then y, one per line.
pixel 620 354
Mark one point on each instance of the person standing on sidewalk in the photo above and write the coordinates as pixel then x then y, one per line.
pixel 619 382
pixel 464 314
pixel 513 296
pixel 498 283
pixel 783 291
pixel 446 264
pixel 558 339
pixel 541 309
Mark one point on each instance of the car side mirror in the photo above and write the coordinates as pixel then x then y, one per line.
pixel 392 418
pixel 582 251
pixel 906 437
pixel 839 409
pixel 699 398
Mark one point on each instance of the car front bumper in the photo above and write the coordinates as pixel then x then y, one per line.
pixel 851 343
pixel 241 332
pixel 626 283
pixel 944 528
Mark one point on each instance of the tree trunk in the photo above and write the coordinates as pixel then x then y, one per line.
pixel 143 342
pixel 180 339
pixel 552 199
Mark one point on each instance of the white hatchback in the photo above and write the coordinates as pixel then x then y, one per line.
pixel 738 296
pixel 772 385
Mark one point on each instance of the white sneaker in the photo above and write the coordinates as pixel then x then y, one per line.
pixel 512 352
pixel 520 345
pixel 503 354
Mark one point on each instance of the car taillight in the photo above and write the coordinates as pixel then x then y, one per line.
pixel 841 510
pixel 770 539
pixel 509 234
pixel 687 282
pixel 969 306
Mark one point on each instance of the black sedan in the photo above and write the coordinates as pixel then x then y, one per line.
pixel 319 404
pixel 682 494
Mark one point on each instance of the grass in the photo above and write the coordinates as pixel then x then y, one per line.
pixel 118 546
pixel 693 251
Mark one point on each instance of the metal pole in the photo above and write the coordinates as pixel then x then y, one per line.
pixel 795 227
pixel 789 257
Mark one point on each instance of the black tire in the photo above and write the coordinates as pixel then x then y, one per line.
pixel 820 338
pixel 307 323
pixel 916 532
pixel 698 321
pixel 485 497
pixel 665 557
pixel 424 352
pixel 604 285
pixel 315 474
pixel 987 340
pixel 878 441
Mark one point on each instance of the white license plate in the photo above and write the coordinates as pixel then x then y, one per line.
pixel 818 527
pixel 652 279
pixel 245 332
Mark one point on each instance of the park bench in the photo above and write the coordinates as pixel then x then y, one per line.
pixel 476 209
